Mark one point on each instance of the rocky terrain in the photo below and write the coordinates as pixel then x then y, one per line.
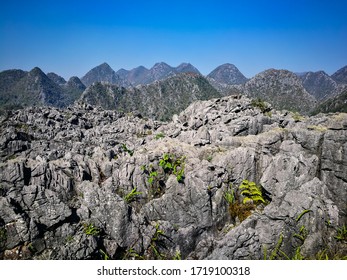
pixel 88 183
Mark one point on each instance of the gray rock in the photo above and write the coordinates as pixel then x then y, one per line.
pixel 69 194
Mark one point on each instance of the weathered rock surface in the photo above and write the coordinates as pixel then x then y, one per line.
pixel 66 177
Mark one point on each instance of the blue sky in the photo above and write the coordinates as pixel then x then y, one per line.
pixel 71 37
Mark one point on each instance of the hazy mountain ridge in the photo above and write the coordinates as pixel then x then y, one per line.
pixel 284 89
pixel 319 84
pixel 160 71
pixel 336 103
pixel 34 88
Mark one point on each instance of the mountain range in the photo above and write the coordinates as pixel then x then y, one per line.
pixel 163 90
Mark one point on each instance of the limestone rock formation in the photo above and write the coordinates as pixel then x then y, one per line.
pixel 88 183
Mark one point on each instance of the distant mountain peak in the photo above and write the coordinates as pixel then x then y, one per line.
pixel 105 64
pixel 56 78
pixel 340 76
pixel 101 73
pixel 319 84
pixel 36 71
pixel 186 68
pixel 282 88
pixel 228 74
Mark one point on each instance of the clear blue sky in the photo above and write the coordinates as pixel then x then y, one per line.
pixel 71 37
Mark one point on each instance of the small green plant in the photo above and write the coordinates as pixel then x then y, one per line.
pixel 268 114
pixel 3 235
pixel 298 255
pixel 302 234
pixel 31 248
pixel 302 214
pixel 125 149
pixel 159 135
pixel 276 252
pixel 229 196
pixel 12 157
pixel 322 255
pixel 173 165
pixel 22 127
pixel 297 117
pixel 104 255
pixel 157 243
pixel 132 195
pixel 319 128
pixel 131 254
pixel 258 103
pixel 69 239
pixel 154 180
pixel 152 176
pixel 90 229
pixel 177 256
pixel 341 234
pixel 251 192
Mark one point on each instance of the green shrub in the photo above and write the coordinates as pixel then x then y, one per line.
pixel 159 135
pixel 173 165
pixel 258 103
pixel 297 117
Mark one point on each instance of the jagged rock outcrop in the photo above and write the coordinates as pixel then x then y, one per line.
pixel 84 182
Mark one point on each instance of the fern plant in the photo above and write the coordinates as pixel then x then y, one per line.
pixel 131 196
pixel 251 192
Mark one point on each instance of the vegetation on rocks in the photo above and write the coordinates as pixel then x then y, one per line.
pixel 79 183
